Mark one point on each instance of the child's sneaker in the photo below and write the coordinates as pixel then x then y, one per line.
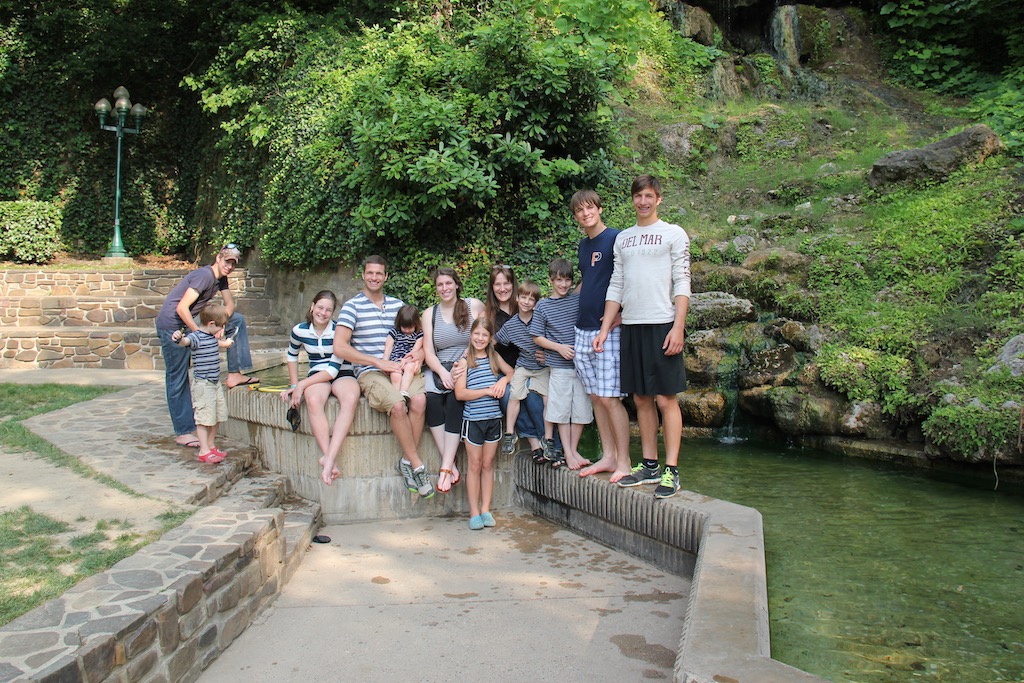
pixel 538 456
pixel 557 459
pixel 508 444
pixel 669 485
pixel 641 475
pixel 549 449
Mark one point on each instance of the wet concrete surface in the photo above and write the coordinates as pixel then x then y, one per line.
pixel 429 600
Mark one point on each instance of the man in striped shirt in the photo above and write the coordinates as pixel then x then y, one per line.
pixel 363 325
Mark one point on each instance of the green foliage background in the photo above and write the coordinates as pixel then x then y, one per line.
pixel 454 132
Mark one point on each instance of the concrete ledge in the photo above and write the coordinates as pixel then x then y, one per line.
pixel 165 613
pixel 725 635
pixel 370 487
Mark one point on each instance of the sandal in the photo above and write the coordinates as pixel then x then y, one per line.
pixel 441 473
pixel 212 458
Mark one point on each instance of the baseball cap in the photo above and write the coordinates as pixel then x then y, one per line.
pixel 231 252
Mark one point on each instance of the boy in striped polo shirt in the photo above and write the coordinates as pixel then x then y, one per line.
pixel 209 403
pixel 554 329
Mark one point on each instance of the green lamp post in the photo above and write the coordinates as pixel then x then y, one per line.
pixel 123 108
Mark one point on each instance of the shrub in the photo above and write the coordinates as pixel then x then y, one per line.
pixel 29 231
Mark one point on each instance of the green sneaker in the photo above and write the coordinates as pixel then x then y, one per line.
pixel 508 444
pixel 641 475
pixel 669 485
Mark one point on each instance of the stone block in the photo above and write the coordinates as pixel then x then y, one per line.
pixel 249 580
pixel 141 639
pixel 181 661
pixel 208 637
pixel 141 666
pixel 228 598
pixel 65 670
pixel 98 657
pixel 167 629
pixel 220 580
pixel 189 591
pixel 189 623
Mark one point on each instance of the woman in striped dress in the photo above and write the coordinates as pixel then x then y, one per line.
pixel 327 377
pixel 481 386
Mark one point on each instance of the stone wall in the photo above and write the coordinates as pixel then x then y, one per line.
pixel 370 487
pixel 166 612
pixel 89 319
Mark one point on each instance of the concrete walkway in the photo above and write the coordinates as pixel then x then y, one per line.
pixel 429 600
pixel 420 599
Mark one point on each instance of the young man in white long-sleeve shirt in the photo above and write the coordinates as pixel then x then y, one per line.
pixel 650 284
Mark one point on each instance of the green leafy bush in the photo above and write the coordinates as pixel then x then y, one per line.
pixel 29 231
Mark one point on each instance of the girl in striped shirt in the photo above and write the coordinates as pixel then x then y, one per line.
pixel 327 377
pixel 481 386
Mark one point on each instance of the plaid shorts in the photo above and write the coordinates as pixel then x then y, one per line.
pixel 599 372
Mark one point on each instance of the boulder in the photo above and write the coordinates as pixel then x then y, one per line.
pixel 703 408
pixel 768 367
pixel 675 139
pixel 1011 357
pixel 709 360
pixel 777 259
pixel 718 309
pixel 807 339
pixel 801 411
pixel 937 160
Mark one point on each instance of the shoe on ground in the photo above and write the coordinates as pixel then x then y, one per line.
pixel 213 457
pixel 488 519
pixel 405 469
pixel 538 456
pixel 423 486
pixel 476 523
pixel 641 475
pixel 669 485
pixel 508 444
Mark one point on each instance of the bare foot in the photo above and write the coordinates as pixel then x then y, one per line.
pixel 605 464
pixel 574 461
pixel 237 379
pixel 328 476
pixel 617 474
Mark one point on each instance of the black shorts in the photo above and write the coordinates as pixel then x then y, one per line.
pixel 444 409
pixel 479 432
pixel 646 370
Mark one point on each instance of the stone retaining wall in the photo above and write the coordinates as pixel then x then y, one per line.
pixel 720 544
pixel 166 612
pixel 86 319
pixel 370 487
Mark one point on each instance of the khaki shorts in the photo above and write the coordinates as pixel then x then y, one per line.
pixel 524 381
pixel 567 399
pixel 381 394
pixel 209 402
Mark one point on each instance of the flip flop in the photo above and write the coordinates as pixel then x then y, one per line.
pixel 190 444
pixel 440 473
pixel 294 418
pixel 270 388
pixel 321 539
pixel 247 382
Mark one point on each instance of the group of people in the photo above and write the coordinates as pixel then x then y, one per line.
pixel 479 372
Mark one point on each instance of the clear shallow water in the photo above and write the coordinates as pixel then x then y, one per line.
pixel 878 574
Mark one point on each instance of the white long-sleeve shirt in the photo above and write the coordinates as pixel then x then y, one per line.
pixel 652 268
